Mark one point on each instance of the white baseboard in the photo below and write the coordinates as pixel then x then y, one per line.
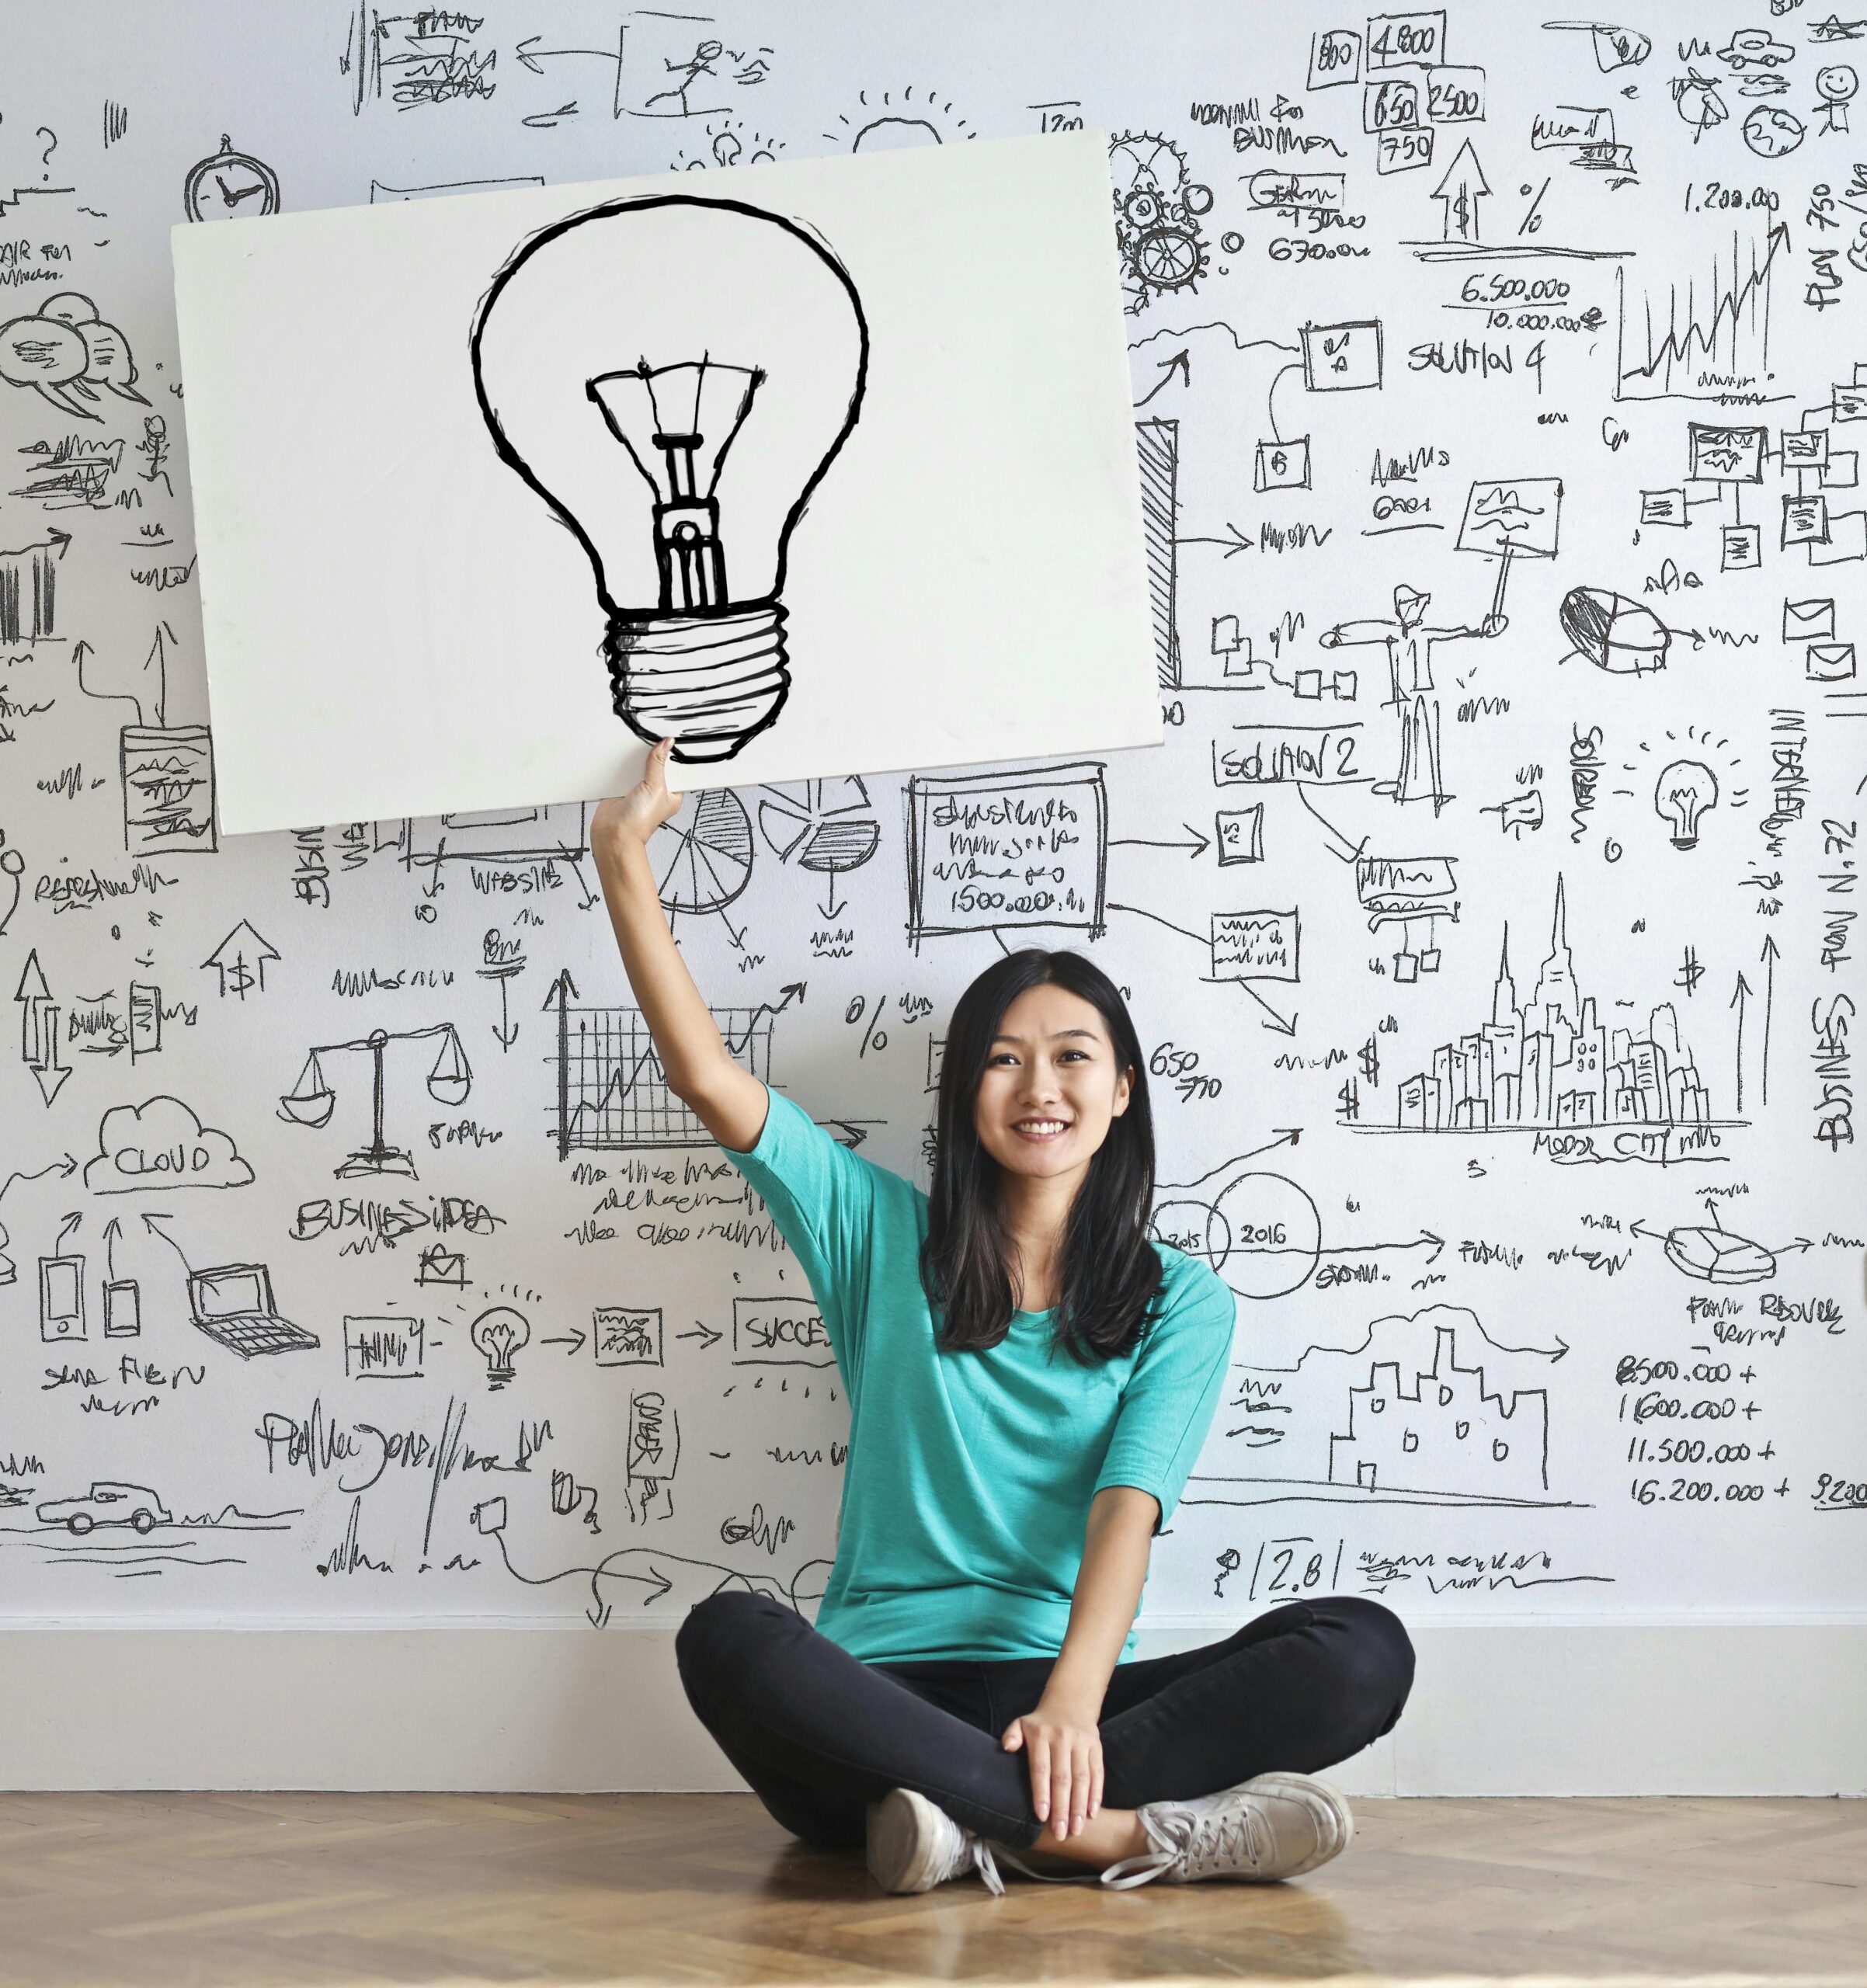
pixel 1497 1709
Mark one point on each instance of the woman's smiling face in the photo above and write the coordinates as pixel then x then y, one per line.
pixel 1053 1061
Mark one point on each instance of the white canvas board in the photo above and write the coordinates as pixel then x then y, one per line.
pixel 390 446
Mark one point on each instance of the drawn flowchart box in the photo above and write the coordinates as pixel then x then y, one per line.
pixel 780 1331
pixel 997 851
pixel 622 1336
pixel 1720 454
pixel 1254 945
pixel 376 1349
pixel 1241 834
pixel 1341 359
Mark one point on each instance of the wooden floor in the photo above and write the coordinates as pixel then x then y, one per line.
pixel 254 1890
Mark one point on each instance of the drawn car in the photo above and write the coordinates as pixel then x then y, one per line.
pixel 1755 45
pixel 108 1503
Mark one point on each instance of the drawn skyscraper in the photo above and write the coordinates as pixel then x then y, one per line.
pixel 1551 1062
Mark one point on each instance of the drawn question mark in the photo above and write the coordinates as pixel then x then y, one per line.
pixel 45 158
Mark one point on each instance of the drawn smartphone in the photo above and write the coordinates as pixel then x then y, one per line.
pixel 122 1308
pixel 62 1297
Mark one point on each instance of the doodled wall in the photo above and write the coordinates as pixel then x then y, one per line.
pixel 1490 916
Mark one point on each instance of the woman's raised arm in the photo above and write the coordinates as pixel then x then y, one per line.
pixel 726 1097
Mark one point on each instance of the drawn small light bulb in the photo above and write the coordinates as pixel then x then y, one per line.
pixel 1682 794
pixel 673 375
pixel 499 1333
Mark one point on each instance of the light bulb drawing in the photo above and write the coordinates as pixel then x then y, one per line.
pixel 499 1333
pixel 673 375
pixel 1683 793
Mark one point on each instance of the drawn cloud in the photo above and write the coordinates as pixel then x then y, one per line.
pixel 160 1143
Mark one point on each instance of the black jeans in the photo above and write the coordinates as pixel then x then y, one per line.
pixel 819 1734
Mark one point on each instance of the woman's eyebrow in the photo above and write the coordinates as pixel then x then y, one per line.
pixel 1088 1034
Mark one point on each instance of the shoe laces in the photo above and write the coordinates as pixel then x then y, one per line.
pixel 978 1855
pixel 1232 1837
pixel 1222 1838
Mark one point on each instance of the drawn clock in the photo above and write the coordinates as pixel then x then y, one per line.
pixel 230 184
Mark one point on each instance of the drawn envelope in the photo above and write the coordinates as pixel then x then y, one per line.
pixel 1808 621
pixel 1828 662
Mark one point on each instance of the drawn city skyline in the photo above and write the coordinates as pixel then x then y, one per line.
pixel 1550 1062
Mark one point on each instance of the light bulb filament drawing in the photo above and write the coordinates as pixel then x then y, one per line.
pixel 600 331
pixel 1683 793
pixel 687 547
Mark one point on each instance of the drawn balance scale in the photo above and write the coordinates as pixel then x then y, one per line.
pixel 311 1104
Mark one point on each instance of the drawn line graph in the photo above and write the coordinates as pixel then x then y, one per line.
pixel 1708 341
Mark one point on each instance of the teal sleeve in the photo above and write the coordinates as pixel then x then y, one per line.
pixel 821 1197
pixel 1169 1401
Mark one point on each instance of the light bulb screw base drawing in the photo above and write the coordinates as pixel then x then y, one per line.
pixel 711 682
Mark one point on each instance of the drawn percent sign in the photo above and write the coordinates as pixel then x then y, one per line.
pixel 1262 1235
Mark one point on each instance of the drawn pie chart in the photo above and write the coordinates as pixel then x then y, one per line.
pixel 831 832
pixel 704 863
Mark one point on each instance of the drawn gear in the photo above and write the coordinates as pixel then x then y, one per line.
pixel 1165 259
pixel 1156 207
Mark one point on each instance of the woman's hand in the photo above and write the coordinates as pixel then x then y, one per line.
pixel 1065 1746
pixel 643 809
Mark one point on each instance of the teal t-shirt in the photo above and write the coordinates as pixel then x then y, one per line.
pixel 967 1486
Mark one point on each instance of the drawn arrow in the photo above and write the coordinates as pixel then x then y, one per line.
pixel 82 652
pixel 1277 1021
pixel 1460 189
pixel 507 1030
pixel 154 1224
pixel 66 1168
pixel 1349 851
pixel 1182 362
pixel 1769 994
pixel 1236 543
pixel 1739 997
pixel 1562 1346
pixel 1425 1236
pixel 1199 845
pixel 535 57
pixel 39 1029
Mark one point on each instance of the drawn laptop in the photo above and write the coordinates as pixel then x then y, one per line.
pixel 234 1305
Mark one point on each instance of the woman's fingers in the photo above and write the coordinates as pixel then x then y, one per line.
pixel 1040 1778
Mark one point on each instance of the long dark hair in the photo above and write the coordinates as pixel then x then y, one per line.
pixel 1110 1272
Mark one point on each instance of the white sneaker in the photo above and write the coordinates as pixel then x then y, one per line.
pixel 914 1844
pixel 1273 1825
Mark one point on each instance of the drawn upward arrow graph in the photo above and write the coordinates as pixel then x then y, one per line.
pixel 1464 183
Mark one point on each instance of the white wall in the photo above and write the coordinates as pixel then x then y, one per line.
pixel 1589 1618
